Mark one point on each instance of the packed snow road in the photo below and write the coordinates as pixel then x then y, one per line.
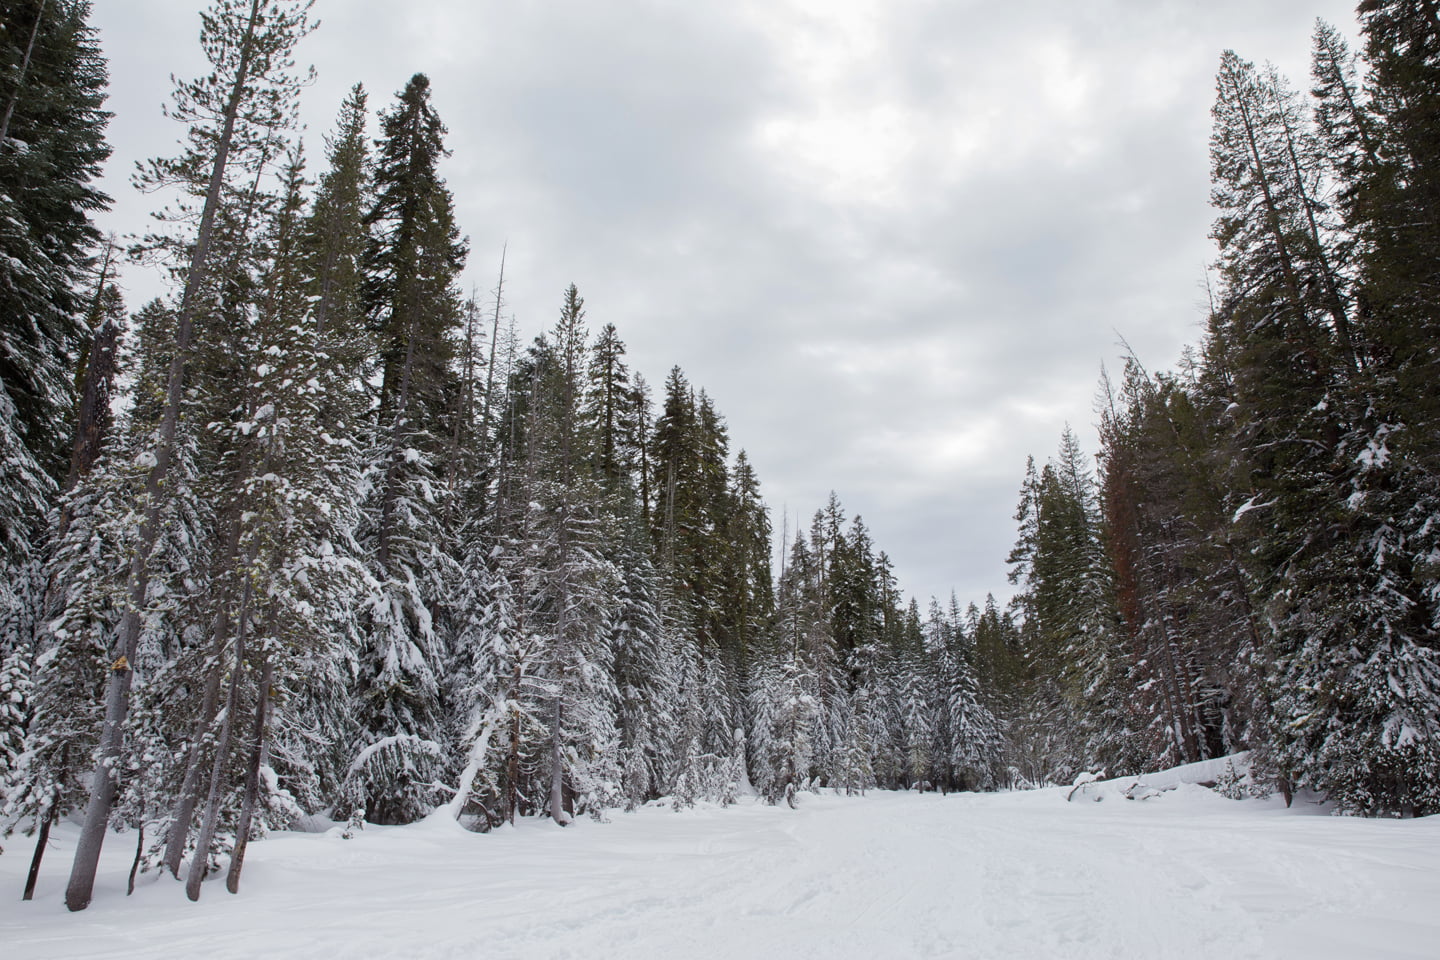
pixel 1186 874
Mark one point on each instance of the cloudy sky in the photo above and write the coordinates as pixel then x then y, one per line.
pixel 895 240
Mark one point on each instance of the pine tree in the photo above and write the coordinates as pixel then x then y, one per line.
pixel 52 148
pixel 746 593
pixel 333 243
pixel 412 258
pixel 234 115
pixel 971 731
pixel 1069 625
pixel 1360 620
pixel 610 408
pixel 788 740
pixel 294 540
pixel 646 672
pixel 575 581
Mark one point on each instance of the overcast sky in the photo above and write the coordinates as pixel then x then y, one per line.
pixel 895 240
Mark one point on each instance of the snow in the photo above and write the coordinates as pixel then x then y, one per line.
pixel 1185 874
pixel 1206 772
pixel 1247 506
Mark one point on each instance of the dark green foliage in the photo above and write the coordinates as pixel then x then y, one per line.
pixel 412 258
pixel 1264 575
pixel 53 88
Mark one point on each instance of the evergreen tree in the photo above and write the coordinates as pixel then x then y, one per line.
pixel 789 739
pixel 646 668
pixel 609 406
pixel 234 115
pixel 333 242
pixel 575 579
pixel 412 258
pixel 1069 617
pixel 970 731
pixel 52 148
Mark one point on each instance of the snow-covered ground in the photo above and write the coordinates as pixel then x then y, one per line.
pixel 1185 874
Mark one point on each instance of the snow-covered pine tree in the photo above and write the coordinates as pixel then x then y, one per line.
pixel 971 731
pixel 413 255
pixel 296 491
pixel 915 661
pixel 504 689
pixel 575 581
pixel 315 725
pixel 1360 613
pixel 234 114
pixel 51 149
pixel 646 672
pixel 787 709
pixel 747 583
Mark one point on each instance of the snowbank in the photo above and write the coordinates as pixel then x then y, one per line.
pixel 1205 773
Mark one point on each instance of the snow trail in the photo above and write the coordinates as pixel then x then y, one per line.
pixel 1188 874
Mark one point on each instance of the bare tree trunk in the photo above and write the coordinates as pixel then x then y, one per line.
pixel 557 772
pixel 189 794
pixel 194 760
pixel 117 688
pixel 139 855
pixel 94 382
pixel 92 419
pixel 43 840
pixel 252 781
pixel 494 337
pixel 512 772
pixel 200 863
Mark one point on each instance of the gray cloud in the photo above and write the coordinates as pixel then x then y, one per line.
pixel 894 240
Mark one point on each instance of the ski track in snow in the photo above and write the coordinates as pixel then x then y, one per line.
pixel 1188 874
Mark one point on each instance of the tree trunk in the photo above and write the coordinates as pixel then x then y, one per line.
pixel 557 773
pixel 40 843
pixel 139 855
pixel 200 863
pixel 252 780
pixel 117 688
pixel 512 772
pixel 210 703
pixel 494 338
pixel 95 384
pixel 190 785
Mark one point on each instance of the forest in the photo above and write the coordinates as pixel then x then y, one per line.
pixel 319 538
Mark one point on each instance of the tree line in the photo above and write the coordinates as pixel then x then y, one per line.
pixel 1255 566
pixel 318 535
pixel 319 538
